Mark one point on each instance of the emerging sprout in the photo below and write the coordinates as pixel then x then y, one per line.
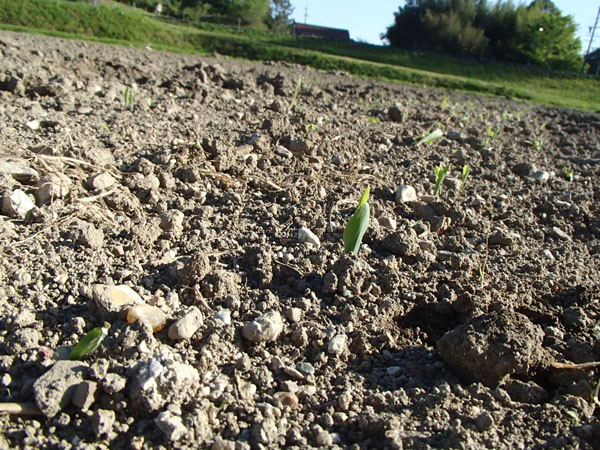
pixel 296 92
pixel 128 98
pixel 357 225
pixel 89 342
pixel 430 137
pixel 465 173
pixel 568 174
pixel 440 173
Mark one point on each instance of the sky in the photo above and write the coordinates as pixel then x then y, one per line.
pixel 367 19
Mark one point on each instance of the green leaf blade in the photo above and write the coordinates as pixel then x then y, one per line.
pixel 88 343
pixel 356 228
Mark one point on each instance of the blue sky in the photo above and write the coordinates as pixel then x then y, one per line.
pixel 367 19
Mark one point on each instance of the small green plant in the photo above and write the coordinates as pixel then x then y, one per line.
pixel 465 173
pixel 568 174
pixel 296 92
pixel 149 101
pixel 326 99
pixel 538 144
pixel 445 101
pixel 357 225
pixel 430 137
pixel 128 98
pixel 89 342
pixel 373 119
pixel 491 135
pixel 440 173
pixel 311 127
pixel 105 127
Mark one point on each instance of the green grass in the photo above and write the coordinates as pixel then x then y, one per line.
pixel 117 23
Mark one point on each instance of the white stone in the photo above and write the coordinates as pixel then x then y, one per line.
pixel 17 204
pixel 305 235
pixel 405 194
pixel 337 345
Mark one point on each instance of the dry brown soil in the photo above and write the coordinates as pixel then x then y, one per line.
pixel 443 332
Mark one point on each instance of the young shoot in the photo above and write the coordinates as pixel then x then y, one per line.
pixel 430 137
pixel 89 342
pixel 440 173
pixel 311 127
pixel 128 98
pixel 491 135
pixel 296 92
pixel 357 225
pixel 373 119
pixel 568 174
pixel 465 173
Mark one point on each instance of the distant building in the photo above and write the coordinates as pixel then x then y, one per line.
pixel 330 34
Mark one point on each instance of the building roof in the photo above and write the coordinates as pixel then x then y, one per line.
pixel 332 34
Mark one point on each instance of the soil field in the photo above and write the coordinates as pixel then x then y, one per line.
pixel 191 210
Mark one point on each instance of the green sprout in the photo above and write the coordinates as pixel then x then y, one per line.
pixel 373 119
pixel 465 173
pixel 296 92
pixel 311 127
pixel 149 102
pixel 568 174
pixel 440 173
pixel 538 144
pixel 491 135
pixel 430 137
pixel 326 99
pixel 357 225
pixel 128 98
pixel 445 101
pixel 482 268
pixel 89 342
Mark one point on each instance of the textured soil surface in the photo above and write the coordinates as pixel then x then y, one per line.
pixel 197 206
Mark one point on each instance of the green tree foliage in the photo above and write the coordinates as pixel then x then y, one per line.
pixel 536 34
pixel 281 11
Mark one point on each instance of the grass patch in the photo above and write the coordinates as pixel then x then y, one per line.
pixel 117 23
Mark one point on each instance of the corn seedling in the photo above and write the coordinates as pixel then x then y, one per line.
pixel 465 173
pixel 105 128
pixel 128 98
pixel 538 144
pixel 89 342
pixel 296 92
pixel 430 137
pixel 440 173
pixel 491 135
pixel 568 174
pixel 311 127
pixel 149 101
pixel 357 225
pixel 326 99
pixel 445 101
pixel 373 119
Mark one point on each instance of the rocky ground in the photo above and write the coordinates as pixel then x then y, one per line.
pixel 197 206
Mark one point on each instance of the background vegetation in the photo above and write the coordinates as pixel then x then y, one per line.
pixel 119 23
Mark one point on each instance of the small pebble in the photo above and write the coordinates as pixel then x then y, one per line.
pixel 266 328
pixel 337 345
pixel 307 236
pixel 185 327
pixel 405 194
pixel 224 315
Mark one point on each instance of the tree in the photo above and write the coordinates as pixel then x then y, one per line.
pixel 535 34
pixel 281 10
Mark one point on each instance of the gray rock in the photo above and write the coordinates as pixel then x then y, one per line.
pixel 113 383
pixel 405 194
pixel 337 345
pixel 224 316
pixel 395 113
pixel 452 183
pixel 54 390
pixel 100 181
pixel 283 152
pixel 171 425
pixel 185 327
pixel 19 172
pixel 307 236
pixel 456 135
pixel 102 422
pixel 172 221
pixel 17 204
pixel 84 394
pixel 541 176
pixel 265 432
pixel 51 187
pixel 493 346
pixel 111 300
pixel 266 328
pixel 560 234
pixel 523 169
